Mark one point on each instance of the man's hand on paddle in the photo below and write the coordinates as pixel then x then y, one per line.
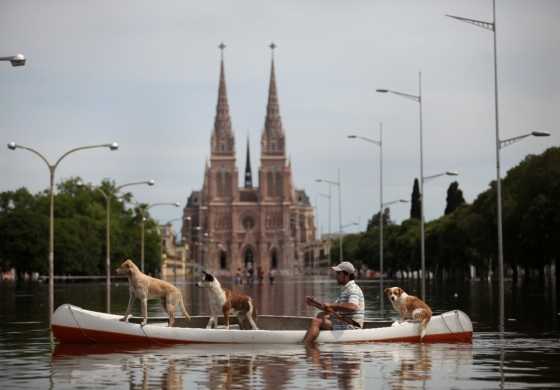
pixel 327 308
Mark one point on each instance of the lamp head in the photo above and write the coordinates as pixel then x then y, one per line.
pixel 18 60
pixel 403 201
pixel 12 146
pixel 114 146
pixel 80 183
pixel 318 180
pixel 352 136
pixel 177 204
pixel 452 173
pixel 540 133
pixel 151 182
pixel 382 90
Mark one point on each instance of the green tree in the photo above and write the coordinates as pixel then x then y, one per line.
pixel 415 201
pixel 80 223
pixel 373 223
pixel 454 198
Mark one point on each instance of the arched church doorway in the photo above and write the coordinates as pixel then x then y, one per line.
pixel 274 259
pixel 249 258
pixel 223 260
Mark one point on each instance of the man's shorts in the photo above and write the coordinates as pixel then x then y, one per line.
pixel 341 325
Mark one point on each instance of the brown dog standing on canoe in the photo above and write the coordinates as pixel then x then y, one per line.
pixel 144 287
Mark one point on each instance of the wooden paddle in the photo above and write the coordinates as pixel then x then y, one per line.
pixel 313 302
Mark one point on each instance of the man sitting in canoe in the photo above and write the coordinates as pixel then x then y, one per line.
pixel 347 312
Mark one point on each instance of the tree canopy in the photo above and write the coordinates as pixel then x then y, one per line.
pixel 467 233
pixel 79 231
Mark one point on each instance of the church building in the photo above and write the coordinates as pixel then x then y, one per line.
pixel 259 226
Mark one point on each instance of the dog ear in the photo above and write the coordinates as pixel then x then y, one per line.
pixel 387 290
pixel 208 277
pixel 399 291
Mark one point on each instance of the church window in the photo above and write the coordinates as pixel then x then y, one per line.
pixel 279 184
pixel 270 183
pixel 227 184
pixel 248 222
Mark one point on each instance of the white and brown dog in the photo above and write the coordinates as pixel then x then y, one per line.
pixel 410 307
pixel 144 287
pixel 227 302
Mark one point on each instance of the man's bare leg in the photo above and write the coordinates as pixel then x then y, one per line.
pixel 322 322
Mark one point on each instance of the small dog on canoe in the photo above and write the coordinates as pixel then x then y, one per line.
pixel 410 307
pixel 227 302
pixel 144 287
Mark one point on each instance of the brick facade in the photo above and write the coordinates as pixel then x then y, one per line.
pixel 228 227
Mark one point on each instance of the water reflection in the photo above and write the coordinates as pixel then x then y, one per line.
pixel 347 367
pixel 527 357
pixel 344 367
pixel 207 366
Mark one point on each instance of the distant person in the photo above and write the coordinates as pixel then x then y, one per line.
pixel 260 274
pixel 347 312
pixel 237 279
pixel 271 275
pixel 250 273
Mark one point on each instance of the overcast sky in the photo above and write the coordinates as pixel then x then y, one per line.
pixel 145 74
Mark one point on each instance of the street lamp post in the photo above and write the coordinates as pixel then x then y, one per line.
pixel 52 169
pixel 108 197
pixel 338 184
pixel 329 197
pixel 143 209
pixel 418 99
pixel 491 26
pixel 17 60
pixel 342 227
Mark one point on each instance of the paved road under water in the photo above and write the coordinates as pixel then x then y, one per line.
pixel 528 356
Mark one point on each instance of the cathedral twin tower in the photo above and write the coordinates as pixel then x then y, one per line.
pixel 230 228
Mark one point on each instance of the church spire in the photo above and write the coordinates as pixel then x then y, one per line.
pixel 272 141
pixel 273 122
pixel 222 136
pixel 248 173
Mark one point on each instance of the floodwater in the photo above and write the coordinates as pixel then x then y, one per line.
pixel 527 356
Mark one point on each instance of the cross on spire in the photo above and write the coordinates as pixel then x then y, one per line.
pixel 272 47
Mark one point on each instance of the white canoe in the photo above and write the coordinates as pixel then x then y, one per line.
pixel 72 324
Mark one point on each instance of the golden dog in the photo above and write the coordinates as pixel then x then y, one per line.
pixel 144 287
pixel 410 307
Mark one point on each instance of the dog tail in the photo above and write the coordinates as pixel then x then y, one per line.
pixel 254 315
pixel 183 309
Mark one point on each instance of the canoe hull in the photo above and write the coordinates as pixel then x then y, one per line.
pixel 75 325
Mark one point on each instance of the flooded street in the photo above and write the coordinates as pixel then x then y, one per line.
pixel 528 356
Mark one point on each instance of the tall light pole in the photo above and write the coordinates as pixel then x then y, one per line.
pixel 418 99
pixel 338 184
pixel 17 60
pixel 380 144
pixel 108 196
pixel 52 169
pixel 491 26
pixel 329 197
pixel 143 209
